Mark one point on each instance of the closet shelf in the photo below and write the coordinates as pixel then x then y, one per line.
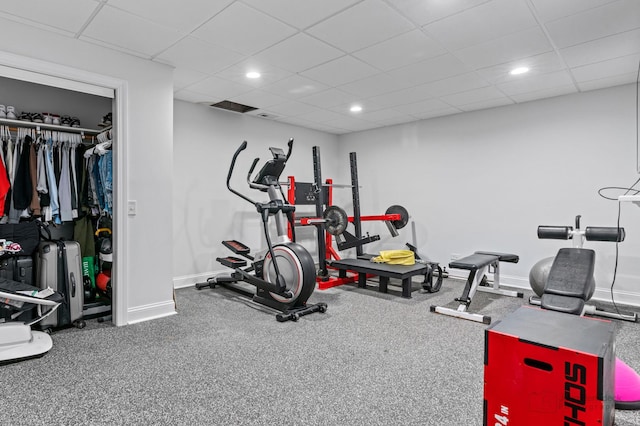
pixel 21 123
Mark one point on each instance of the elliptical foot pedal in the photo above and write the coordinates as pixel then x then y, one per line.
pixel 232 262
pixel 236 246
pixel 295 313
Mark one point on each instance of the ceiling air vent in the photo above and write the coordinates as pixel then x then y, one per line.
pixel 233 106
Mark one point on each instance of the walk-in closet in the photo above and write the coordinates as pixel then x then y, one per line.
pixel 56 171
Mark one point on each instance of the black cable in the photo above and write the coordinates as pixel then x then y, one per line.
pixel 615 267
pixel 621 188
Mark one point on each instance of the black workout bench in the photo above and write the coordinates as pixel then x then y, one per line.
pixel 479 264
pixel 365 267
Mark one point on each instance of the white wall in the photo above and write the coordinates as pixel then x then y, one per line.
pixel 204 212
pixel 148 148
pixel 485 180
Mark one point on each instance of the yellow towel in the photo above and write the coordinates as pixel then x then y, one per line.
pixel 396 257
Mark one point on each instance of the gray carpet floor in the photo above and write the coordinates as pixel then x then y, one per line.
pixel 371 359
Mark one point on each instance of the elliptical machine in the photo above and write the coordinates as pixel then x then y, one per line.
pixel 284 275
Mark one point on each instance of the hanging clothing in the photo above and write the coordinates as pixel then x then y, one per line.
pixel 22 188
pixel 51 180
pixel 33 173
pixel 64 190
pixel 106 179
pixel 4 185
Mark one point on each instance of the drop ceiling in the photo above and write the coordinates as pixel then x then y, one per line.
pixel 401 60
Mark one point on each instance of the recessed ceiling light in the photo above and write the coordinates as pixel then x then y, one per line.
pixel 253 74
pixel 356 108
pixel 519 70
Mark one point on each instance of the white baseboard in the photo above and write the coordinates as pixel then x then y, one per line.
pixel 191 280
pixel 151 311
pixel 601 294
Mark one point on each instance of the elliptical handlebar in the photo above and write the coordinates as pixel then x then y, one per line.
pixel 290 144
pixel 241 148
pixel 266 178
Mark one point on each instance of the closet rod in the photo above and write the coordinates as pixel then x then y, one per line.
pixel 20 123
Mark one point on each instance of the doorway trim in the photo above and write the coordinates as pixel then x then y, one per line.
pixel 56 75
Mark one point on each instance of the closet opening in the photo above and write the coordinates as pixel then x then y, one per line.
pixel 80 118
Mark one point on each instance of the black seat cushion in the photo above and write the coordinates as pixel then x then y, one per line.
pixel 571 274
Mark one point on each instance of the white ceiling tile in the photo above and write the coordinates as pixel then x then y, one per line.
pixel 437 113
pixel 295 87
pixel 608 81
pixel 405 49
pixel 374 85
pixel 184 15
pixel 489 103
pixel 423 12
pixel 423 106
pixel 295 121
pixel 448 86
pixel 542 94
pixel 321 115
pixel 243 29
pixel 258 99
pixel 535 83
pixel 122 29
pixel 115 48
pixel 340 71
pixel 521 44
pixel 384 115
pixel 67 15
pixel 612 18
pixel 403 96
pixel 299 53
pixel 183 77
pixel 430 70
pixel 611 47
pixel 549 10
pixel 392 121
pixel 367 105
pixel 195 54
pixel 268 73
pixel 350 123
pixel 482 23
pixel 195 97
pixel 328 98
pixel 362 25
pixel 612 67
pixel 292 108
pixel 538 64
pixel 219 88
pixel 474 96
pixel 300 14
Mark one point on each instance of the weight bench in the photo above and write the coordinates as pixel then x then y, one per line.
pixel 479 264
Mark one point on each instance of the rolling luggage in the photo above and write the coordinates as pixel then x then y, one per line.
pixel 59 266
pixel 17 268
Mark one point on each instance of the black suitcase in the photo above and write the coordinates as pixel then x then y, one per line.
pixel 18 268
pixel 59 266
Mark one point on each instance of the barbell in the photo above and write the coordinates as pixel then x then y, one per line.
pixel 335 219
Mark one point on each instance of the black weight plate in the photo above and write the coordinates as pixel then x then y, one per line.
pixel 404 216
pixel 337 220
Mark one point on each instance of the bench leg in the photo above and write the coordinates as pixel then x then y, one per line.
pixel 384 282
pixel 461 312
pixel 495 289
pixel 406 288
pixel 472 284
pixel 362 280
